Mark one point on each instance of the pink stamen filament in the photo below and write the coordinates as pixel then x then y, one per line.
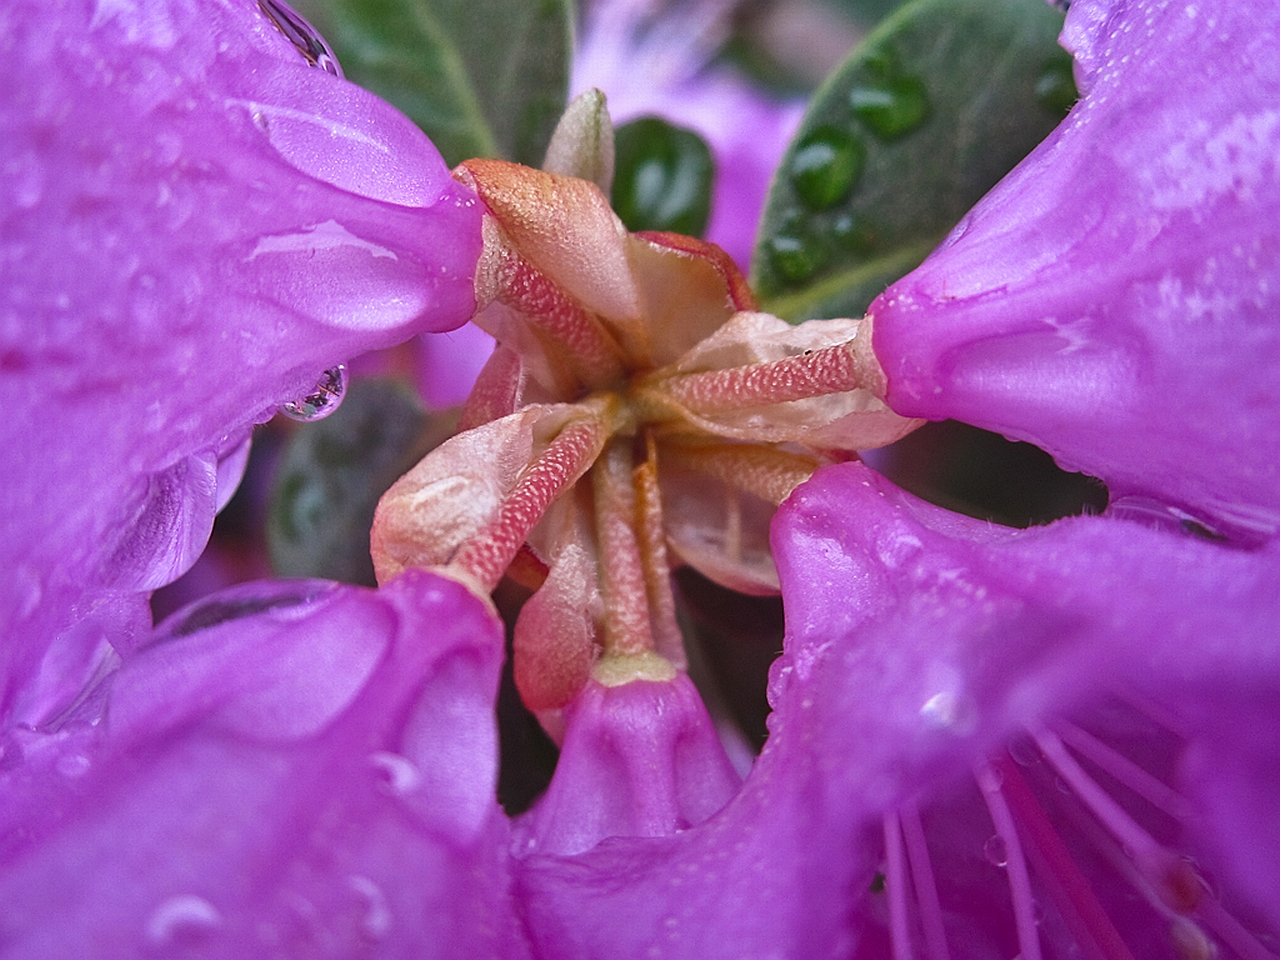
pixel 1064 881
pixel 816 373
pixel 935 935
pixel 896 887
pixel 486 556
pixel 653 555
pixel 1169 875
pixel 622 574
pixel 1150 788
pixel 989 782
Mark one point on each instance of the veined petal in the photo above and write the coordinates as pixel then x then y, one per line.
pixel 1113 300
pixel 196 224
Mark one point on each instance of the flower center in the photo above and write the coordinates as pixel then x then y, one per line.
pixel 637 414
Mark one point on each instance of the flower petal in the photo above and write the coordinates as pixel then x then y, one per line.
pixel 195 224
pixel 292 770
pixel 1112 300
pixel 922 641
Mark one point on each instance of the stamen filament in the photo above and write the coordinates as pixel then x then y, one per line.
pixel 935 935
pixel 486 556
pixel 896 887
pixel 653 555
pixel 1150 788
pixel 626 603
pixel 815 373
pixel 1170 876
pixel 1066 884
pixel 989 782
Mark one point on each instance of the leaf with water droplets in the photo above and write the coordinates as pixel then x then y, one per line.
pixel 476 89
pixel 925 116
pixel 662 177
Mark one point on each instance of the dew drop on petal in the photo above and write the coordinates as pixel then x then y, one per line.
pixel 891 108
pixel 396 774
pixel 376 920
pixel 302 35
pixel 825 166
pixel 322 400
pixel 183 919
pixel 1056 88
pixel 995 851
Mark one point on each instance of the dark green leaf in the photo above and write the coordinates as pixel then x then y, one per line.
pixel 938 103
pixel 332 474
pixel 483 78
pixel 662 177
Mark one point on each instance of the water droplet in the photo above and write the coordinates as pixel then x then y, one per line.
pixel 323 399
pixel 825 166
pixel 376 922
pixel 855 234
pixel 892 107
pixel 302 35
pixel 794 252
pixel 184 919
pixel 995 851
pixel 1023 750
pixel 662 177
pixel 1161 516
pixel 1056 88
pixel 398 774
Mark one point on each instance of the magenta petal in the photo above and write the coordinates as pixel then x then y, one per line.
pixel 195 224
pixel 970 633
pixel 1113 299
pixel 290 770
pixel 639 760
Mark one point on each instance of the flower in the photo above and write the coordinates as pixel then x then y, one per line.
pixel 308 770
pixel 196 224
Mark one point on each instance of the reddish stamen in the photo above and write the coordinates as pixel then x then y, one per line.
pixel 487 555
pixel 626 604
pixel 895 885
pixel 815 373
pixel 1063 879
pixel 653 555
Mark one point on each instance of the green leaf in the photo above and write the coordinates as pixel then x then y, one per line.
pixel 482 78
pixel 334 471
pixel 925 116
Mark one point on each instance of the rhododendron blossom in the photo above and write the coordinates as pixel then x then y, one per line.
pixel 985 742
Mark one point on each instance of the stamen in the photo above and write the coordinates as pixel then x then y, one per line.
pixel 486 556
pixel 587 347
pixel 622 575
pixel 935 935
pixel 1065 883
pixel 896 887
pixel 1150 788
pixel 1177 883
pixel 765 471
pixel 815 373
pixel 653 555
pixel 989 782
